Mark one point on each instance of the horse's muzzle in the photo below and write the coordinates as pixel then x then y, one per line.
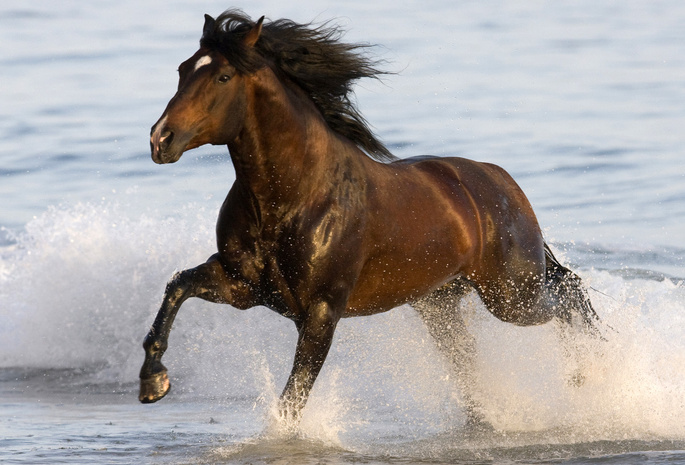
pixel 162 144
pixel 159 147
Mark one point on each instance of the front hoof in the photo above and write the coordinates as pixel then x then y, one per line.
pixel 154 388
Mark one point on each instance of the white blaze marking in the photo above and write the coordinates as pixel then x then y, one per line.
pixel 202 61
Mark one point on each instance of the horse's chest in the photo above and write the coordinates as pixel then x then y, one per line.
pixel 299 266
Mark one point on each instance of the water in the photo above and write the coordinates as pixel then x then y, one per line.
pixel 581 102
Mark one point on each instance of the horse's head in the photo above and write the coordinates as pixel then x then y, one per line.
pixel 209 105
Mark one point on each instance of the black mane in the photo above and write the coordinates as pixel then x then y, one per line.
pixel 313 58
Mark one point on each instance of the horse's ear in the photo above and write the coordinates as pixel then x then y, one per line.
pixel 208 28
pixel 253 36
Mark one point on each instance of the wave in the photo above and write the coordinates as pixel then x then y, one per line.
pixel 81 285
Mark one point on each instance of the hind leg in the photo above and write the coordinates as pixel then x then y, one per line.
pixel 577 336
pixel 440 313
pixel 576 317
pixel 552 293
pixel 575 352
pixel 578 344
pixel 208 281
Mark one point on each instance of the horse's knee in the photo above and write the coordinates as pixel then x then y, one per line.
pixel 179 286
pixel 214 282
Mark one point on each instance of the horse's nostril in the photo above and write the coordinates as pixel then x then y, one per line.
pixel 166 138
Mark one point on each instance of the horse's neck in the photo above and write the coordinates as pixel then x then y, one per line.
pixel 285 147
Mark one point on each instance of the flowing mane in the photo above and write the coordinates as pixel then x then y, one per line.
pixel 314 59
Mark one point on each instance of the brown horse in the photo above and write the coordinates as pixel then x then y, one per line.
pixel 323 222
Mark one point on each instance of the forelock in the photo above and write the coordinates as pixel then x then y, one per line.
pixel 227 37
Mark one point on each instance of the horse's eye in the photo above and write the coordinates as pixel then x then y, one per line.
pixel 224 78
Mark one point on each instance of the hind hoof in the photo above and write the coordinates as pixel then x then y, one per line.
pixel 577 379
pixel 154 388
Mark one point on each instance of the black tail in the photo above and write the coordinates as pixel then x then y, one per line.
pixel 568 291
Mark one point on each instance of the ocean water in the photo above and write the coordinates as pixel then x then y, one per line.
pixel 582 102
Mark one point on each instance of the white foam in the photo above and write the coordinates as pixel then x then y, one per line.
pixel 82 285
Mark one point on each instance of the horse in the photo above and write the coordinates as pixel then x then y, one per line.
pixel 323 222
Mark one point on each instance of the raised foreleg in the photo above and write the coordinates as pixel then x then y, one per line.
pixel 209 281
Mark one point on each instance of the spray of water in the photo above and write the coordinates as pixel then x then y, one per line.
pixel 80 287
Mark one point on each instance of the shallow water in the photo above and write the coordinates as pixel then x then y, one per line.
pixel 582 103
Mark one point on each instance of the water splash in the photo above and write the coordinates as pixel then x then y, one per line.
pixel 79 288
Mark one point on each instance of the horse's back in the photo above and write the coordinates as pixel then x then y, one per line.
pixel 474 175
pixel 497 199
